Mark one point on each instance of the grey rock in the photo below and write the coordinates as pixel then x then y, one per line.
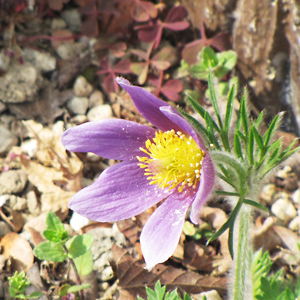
pixel 82 88
pixel 100 112
pixel 33 204
pixel 72 18
pixel 78 105
pixel 96 99
pixel 12 182
pixel 20 84
pixel 43 61
pixel 17 203
pixel 58 24
pixel 68 51
pixel 2 107
pixel 7 139
pixel 4 228
pixel 283 210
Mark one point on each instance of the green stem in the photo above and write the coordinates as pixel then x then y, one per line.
pixel 243 249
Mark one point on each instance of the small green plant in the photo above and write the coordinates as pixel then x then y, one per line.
pixel 159 293
pixel 268 286
pixel 60 247
pixel 18 285
pixel 209 61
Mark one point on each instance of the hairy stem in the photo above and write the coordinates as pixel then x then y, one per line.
pixel 242 284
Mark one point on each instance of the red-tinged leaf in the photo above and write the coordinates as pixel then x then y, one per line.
pixel 221 41
pixel 177 26
pixel 90 27
pixel 150 8
pixel 149 33
pixel 191 51
pixel 140 53
pixel 140 69
pixel 160 64
pixel 140 11
pixel 109 84
pixel 122 67
pixel 171 89
pixel 167 54
pixel 119 49
pixel 57 4
pixel 175 14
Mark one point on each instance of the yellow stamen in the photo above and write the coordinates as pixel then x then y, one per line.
pixel 173 160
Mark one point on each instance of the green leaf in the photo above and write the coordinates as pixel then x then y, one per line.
pixel 84 263
pixel 228 224
pixel 76 288
pixel 256 204
pixel 272 129
pixel 229 108
pixel 243 113
pixel 259 140
pixel 259 119
pixel 209 57
pixel 237 146
pixel 34 295
pixel 50 251
pixel 199 71
pixel 202 112
pixel 225 193
pixel 251 147
pixel 226 62
pixel 55 230
pixel 78 245
pixel 214 100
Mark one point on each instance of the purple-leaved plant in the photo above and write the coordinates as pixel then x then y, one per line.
pixel 169 163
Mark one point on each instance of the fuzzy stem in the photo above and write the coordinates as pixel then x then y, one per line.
pixel 242 287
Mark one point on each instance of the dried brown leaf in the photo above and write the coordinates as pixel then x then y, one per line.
pixel 133 277
pixel 19 250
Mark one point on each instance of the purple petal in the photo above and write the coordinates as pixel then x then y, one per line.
pixel 207 181
pixel 184 125
pixel 122 191
pixel 161 233
pixel 148 105
pixel 111 138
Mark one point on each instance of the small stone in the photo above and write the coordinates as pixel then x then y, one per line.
pixel 77 221
pixel 30 147
pixel 70 50
pixel 58 127
pixel 7 139
pixel 12 182
pixel 103 286
pixel 100 112
pixel 210 295
pixel 105 274
pixel 82 88
pixel 296 197
pixel 79 119
pixel 58 24
pixel 295 224
pixel 78 105
pixel 283 210
pixel 72 18
pixel 284 172
pixel 96 99
pixel 33 204
pixel 17 203
pixel 267 193
pixel 41 60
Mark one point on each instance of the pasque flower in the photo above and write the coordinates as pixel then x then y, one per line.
pixel 168 163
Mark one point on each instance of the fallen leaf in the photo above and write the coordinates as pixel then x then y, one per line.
pixel 19 250
pixel 133 277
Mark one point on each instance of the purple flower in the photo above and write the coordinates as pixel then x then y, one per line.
pixel 169 163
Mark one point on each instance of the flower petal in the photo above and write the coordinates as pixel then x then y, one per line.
pixel 184 125
pixel 162 231
pixel 207 181
pixel 122 191
pixel 111 138
pixel 148 105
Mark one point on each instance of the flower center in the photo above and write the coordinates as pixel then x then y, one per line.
pixel 173 160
